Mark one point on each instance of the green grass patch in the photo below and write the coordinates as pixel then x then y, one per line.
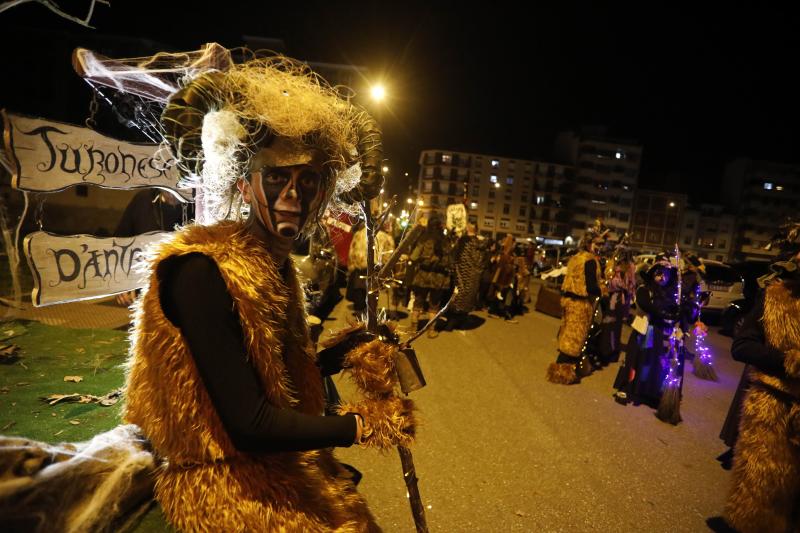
pixel 47 355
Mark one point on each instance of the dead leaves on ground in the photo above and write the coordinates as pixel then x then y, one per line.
pixel 107 400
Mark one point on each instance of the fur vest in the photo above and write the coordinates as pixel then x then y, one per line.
pixel 206 484
pixel 781 323
pixel 575 279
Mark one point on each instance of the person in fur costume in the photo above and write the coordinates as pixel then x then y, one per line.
pixel 223 378
pixel 431 276
pixel 765 488
pixel 579 291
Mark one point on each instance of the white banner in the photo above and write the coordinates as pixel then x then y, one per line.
pixel 49 156
pixel 81 267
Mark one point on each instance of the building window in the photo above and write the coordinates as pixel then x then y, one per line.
pixel 491 193
pixel 427 186
pixel 428 172
pixel 523 211
pixel 493 178
pixel 488 222
pixel 620 154
pixel 767 185
pixel 504 223
pixel 520 227
pixel 473 205
pixel 495 163
pixel 506 209
pixel 447 158
pixel 510 180
pixel 539 200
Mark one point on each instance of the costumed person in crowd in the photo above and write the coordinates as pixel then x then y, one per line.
pixel 641 377
pixel 765 484
pixel 581 288
pixel 692 301
pixel 501 289
pixel 223 379
pixel 468 256
pixel 431 275
pixel 487 271
pixel 357 269
pixel 522 281
pixel 621 276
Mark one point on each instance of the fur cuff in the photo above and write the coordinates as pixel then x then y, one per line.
pixel 372 368
pixel 562 373
pixel 388 421
pixel 792 363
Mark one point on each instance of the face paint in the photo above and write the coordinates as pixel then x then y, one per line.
pixel 286 196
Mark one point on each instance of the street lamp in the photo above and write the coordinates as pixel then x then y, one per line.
pixel 378 92
pixel 385 169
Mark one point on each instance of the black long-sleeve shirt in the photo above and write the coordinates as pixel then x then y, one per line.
pixel 194 297
pixel 590 275
pixel 750 345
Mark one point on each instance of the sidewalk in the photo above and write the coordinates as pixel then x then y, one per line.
pixel 102 313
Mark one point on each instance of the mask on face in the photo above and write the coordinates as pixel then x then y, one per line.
pixel 285 197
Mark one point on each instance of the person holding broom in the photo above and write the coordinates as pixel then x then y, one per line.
pixel 647 360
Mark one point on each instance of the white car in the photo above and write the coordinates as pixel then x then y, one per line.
pixel 724 284
pixel 721 281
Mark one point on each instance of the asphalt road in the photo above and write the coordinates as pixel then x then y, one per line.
pixel 502 449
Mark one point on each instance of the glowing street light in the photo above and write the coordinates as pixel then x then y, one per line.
pixel 378 92
pixel 420 203
pixel 409 201
pixel 672 204
pixel 385 169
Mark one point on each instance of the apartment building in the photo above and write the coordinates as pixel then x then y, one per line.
pixel 656 220
pixel 762 194
pixel 708 231
pixel 502 195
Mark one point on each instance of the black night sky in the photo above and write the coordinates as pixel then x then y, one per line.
pixel 695 85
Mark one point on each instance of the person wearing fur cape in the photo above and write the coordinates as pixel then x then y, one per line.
pixel 223 378
pixel 581 287
pixel 765 488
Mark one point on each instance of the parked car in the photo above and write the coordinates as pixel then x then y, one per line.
pixel 733 315
pixel 724 284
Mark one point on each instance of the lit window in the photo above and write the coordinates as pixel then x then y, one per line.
pixel 539 200
pixel 620 154
pixel 495 163
pixel 509 180
pixel 493 178
pixel 767 186
pixel 473 205
pixel 447 158
pixel 779 187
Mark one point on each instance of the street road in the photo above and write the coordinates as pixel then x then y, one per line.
pixel 502 449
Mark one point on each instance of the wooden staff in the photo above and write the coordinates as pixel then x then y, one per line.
pixel 406 459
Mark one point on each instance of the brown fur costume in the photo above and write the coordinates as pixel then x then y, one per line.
pixel 388 417
pixel 205 483
pixel 766 472
pixel 576 318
